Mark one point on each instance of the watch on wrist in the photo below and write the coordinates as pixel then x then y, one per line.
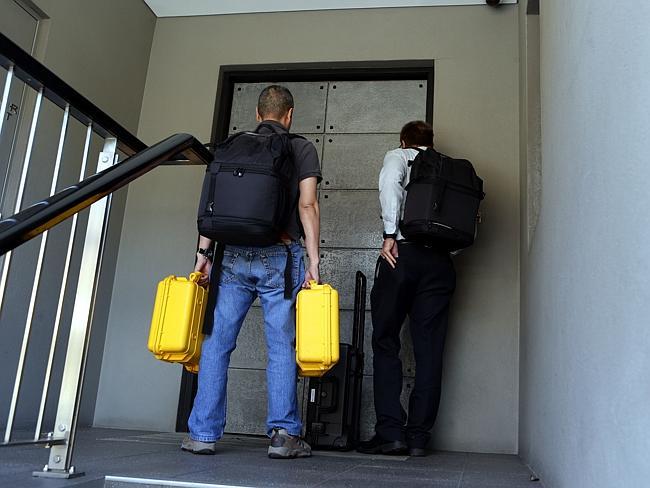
pixel 208 253
pixel 390 236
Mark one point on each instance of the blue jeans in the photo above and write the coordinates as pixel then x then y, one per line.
pixel 246 273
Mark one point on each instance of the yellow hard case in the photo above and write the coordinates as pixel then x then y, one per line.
pixel 176 326
pixel 317 329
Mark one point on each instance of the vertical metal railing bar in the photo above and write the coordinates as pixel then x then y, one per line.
pixel 60 461
pixel 55 179
pixel 7 262
pixel 5 95
pixel 40 258
pixel 3 110
pixel 7 257
pixel 64 284
pixel 28 153
pixel 108 157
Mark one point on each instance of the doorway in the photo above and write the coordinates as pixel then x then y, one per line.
pixel 352 113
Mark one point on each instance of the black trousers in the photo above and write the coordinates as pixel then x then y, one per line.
pixel 420 287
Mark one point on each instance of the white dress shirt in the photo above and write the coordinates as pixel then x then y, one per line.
pixel 393 178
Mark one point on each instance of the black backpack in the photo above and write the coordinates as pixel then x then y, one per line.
pixel 246 194
pixel 442 200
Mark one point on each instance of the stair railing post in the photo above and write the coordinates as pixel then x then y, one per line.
pixel 60 460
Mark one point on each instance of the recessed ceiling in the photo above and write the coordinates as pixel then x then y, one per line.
pixel 181 8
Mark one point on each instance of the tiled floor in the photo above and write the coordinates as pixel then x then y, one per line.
pixel 242 461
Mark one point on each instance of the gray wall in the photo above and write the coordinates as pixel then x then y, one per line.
pixel 102 50
pixel 585 360
pixel 530 182
pixel 475 115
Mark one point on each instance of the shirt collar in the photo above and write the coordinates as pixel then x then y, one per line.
pixel 278 127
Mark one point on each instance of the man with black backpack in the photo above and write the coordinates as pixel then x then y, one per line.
pixel 415 277
pixel 258 199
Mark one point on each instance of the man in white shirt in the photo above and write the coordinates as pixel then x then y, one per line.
pixel 415 280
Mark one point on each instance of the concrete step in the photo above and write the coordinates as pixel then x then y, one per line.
pixel 128 482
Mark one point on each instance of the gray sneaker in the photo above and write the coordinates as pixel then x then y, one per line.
pixel 198 447
pixel 285 446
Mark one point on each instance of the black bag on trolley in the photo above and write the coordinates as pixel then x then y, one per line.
pixel 334 403
pixel 442 201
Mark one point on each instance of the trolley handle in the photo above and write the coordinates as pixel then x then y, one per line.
pixel 359 319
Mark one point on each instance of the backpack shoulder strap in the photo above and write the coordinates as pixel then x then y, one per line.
pixel 213 289
pixel 420 152
pixel 215 164
pixel 229 139
pixel 293 137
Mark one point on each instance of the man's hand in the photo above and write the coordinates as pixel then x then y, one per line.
pixel 203 266
pixel 312 274
pixel 389 251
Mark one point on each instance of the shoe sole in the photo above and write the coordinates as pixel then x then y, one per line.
pixel 395 452
pixel 387 450
pixel 282 453
pixel 202 452
pixel 417 452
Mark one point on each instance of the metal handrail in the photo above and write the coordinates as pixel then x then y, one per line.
pixel 94 192
pixel 43 215
pixel 36 75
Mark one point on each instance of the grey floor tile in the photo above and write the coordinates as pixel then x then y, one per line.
pixel 500 484
pixel 505 460
pixel 242 461
pixel 498 474
pixel 262 471
pixel 497 469
pixel 26 480
pixel 353 482
pixel 441 460
pixel 394 476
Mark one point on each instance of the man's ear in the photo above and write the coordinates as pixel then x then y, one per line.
pixel 258 117
pixel 402 144
pixel 290 116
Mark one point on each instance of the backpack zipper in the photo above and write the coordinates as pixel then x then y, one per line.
pixel 238 170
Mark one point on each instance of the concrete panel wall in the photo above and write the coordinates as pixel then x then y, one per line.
pixel 585 359
pixel 350 218
pixel 102 50
pixel 309 116
pixel 475 115
pixel 391 103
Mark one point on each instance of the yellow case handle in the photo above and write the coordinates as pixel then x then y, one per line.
pixel 195 277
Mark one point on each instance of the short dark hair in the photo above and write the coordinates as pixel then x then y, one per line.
pixel 274 101
pixel 417 133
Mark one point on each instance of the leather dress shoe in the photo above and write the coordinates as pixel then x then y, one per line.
pixel 378 445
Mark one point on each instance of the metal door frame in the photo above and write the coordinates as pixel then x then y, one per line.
pixel 417 69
